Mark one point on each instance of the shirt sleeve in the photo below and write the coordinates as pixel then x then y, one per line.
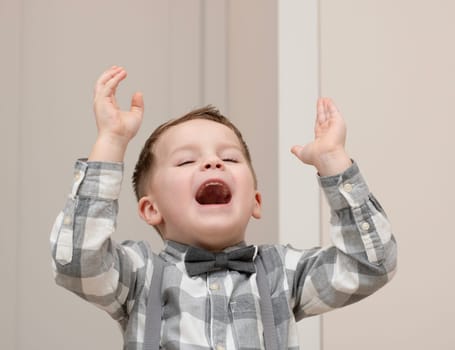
pixel 86 260
pixel 361 260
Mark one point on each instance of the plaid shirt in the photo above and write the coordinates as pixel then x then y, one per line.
pixel 218 310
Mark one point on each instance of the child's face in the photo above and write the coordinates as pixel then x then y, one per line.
pixel 202 190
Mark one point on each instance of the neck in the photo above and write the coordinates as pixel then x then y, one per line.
pixel 209 246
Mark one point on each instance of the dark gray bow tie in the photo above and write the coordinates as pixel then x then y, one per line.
pixel 198 261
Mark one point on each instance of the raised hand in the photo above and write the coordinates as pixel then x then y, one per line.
pixel 115 126
pixel 326 152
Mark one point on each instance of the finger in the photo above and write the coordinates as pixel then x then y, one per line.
pixel 108 74
pixel 296 150
pixel 113 99
pixel 320 112
pixel 301 152
pixel 111 85
pixel 137 103
pixel 332 109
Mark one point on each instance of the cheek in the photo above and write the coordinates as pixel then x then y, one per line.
pixel 248 179
pixel 173 187
pixel 247 187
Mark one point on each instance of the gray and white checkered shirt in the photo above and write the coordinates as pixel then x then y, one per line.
pixel 218 310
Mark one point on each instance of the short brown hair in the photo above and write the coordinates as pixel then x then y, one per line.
pixel 145 161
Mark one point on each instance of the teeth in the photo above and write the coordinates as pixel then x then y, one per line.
pixel 213 183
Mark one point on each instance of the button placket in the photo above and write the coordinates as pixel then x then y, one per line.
pixel 218 309
pixel 214 286
pixel 365 226
pixel 67 220
pixel 78 177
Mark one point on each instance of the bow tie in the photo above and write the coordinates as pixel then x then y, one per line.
pixel 198 261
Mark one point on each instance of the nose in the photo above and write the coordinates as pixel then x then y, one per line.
pixel 213 163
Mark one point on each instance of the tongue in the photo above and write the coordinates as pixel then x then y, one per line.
pixel 215 193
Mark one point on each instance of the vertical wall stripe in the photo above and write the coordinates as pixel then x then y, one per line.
pixel 185 55
pixel 11 34
pixel 298 90
pixel 214 54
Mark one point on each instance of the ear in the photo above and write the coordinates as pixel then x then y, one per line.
pixel 257 205
pixel 148 211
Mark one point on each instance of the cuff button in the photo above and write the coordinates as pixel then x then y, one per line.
pixel 347 187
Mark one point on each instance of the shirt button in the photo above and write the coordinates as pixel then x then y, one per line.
pixel 347 187
pixel 219 347
pixel 214 286
pixel 77 176
pixel 365 226
pixel 67 220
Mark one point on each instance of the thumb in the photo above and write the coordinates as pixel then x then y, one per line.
pixel 137 103
pixel 302 153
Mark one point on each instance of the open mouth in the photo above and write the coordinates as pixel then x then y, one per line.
pixel 213 192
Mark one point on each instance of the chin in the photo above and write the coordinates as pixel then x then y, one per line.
pixel 220 227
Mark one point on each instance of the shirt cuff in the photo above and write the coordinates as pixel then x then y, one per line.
pixel 97 179
pixel 347 189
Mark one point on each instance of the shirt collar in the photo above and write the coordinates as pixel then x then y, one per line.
pixel 175 251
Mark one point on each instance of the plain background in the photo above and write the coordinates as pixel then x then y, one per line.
pixel 389 65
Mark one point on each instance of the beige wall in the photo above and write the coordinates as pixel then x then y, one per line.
pixel 390 66
pixel 9 144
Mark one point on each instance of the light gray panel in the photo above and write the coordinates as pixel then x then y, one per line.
pixel 299 214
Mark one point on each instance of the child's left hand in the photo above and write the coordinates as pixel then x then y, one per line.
pixel 327 151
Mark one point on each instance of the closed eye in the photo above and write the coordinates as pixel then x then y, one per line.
pixel 231 160
pixel 186 162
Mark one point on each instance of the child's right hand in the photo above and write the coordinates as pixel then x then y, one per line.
pixel 115 127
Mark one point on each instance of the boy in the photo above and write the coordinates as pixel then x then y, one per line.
pixel 196 185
